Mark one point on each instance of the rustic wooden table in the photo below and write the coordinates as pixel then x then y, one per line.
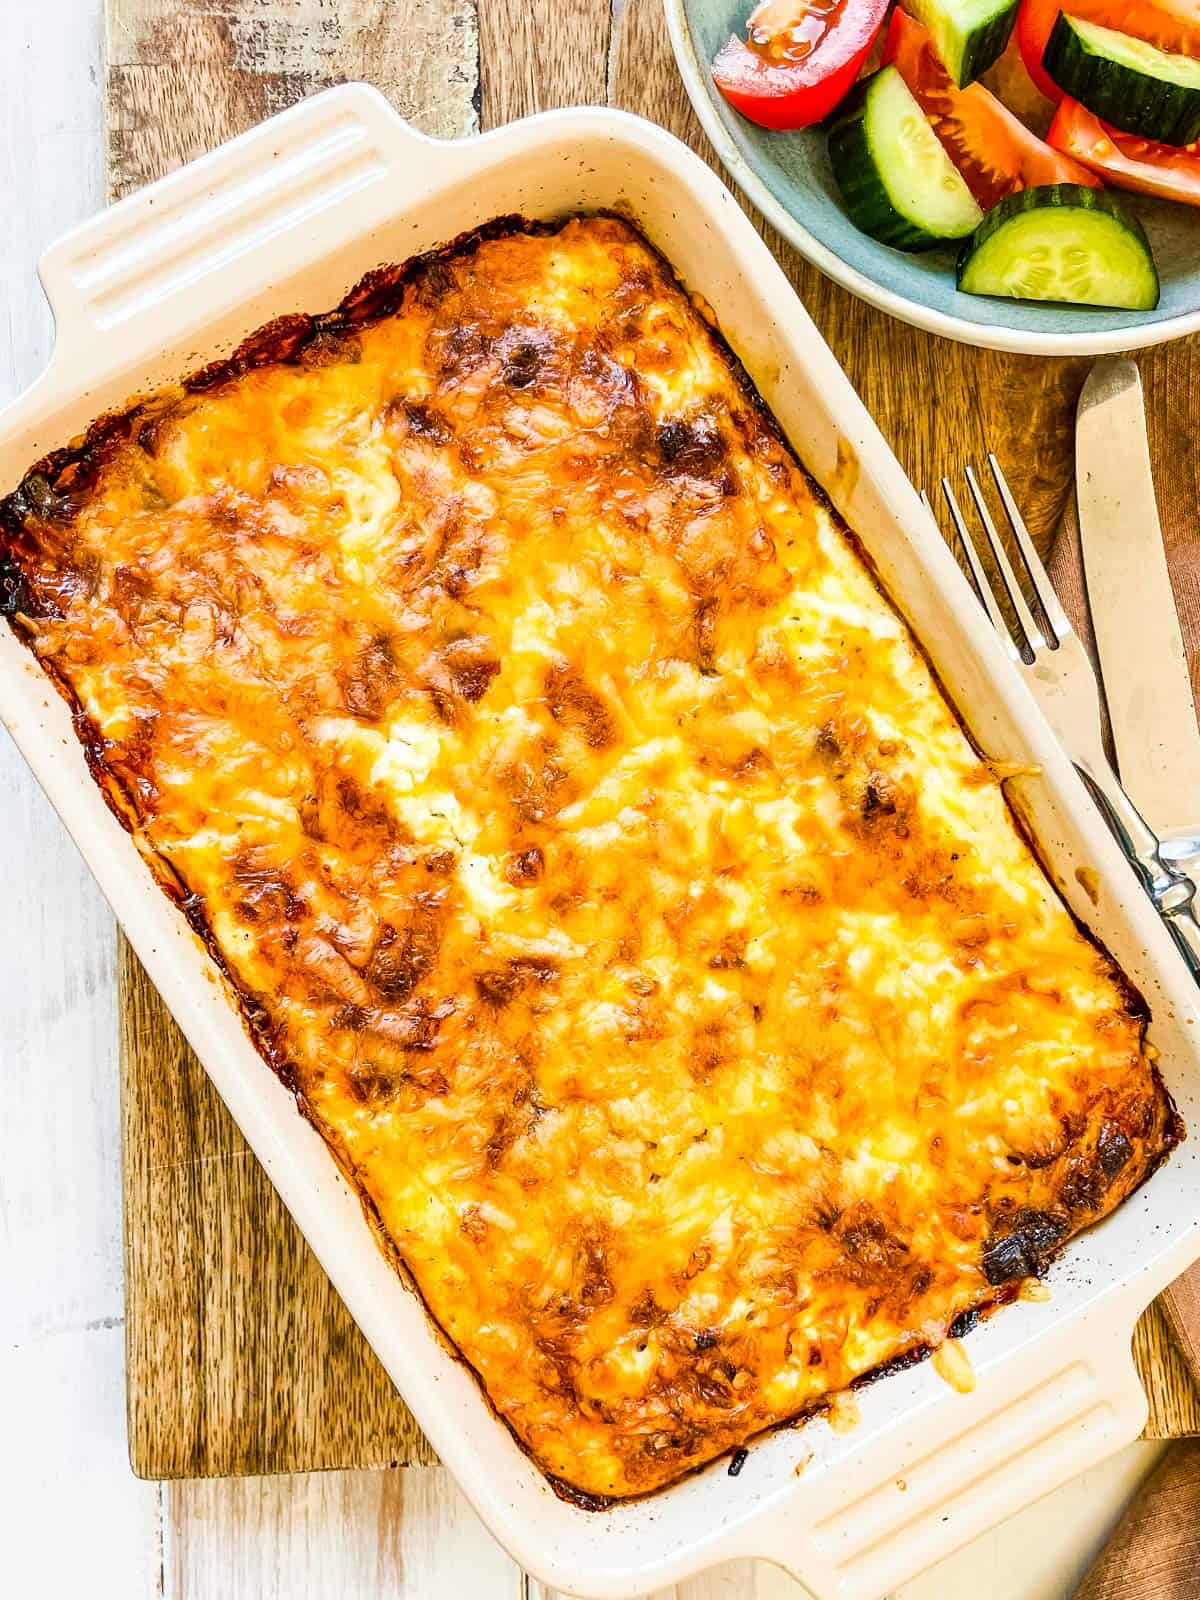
pixel 74 1520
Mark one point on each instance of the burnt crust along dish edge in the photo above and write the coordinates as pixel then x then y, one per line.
pixel 56 486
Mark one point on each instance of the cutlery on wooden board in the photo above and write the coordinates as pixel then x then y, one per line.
pixel 1137 629
pixel 1143 660
pixel 1054 663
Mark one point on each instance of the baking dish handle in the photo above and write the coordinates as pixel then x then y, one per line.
pixel 230 224
pixel 915 1500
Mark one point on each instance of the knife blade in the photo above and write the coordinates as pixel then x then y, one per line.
pixel 1142 658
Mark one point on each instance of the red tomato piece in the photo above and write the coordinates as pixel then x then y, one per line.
pixel 994 150
pixel 1170 24
pixel 798 60
pixel 1170 171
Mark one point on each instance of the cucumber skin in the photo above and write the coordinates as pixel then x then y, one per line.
pixel 987 45
pixel 866 203
pixel 983 45
pixel 1045 197
pixel 1167 113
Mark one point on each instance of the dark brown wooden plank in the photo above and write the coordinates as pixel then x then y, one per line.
pixel 535 56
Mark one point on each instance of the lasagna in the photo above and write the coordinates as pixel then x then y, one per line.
pixel 588 845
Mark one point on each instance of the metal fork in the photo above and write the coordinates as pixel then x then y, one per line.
pixel 1057 669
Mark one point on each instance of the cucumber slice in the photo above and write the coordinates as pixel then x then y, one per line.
pixel 1061 241
pixel 1132 85
pixel 969 35
pixel 897 181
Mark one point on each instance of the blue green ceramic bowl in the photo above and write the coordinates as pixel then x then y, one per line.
pixel 787 177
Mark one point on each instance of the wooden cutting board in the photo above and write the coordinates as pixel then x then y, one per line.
pixel 240 1357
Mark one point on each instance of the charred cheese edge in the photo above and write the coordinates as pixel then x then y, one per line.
pixel 589 844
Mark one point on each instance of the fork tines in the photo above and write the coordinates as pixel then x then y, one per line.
pixel 1031 637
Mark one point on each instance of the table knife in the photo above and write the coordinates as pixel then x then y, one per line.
pixel 1142 658
pixel 1143 663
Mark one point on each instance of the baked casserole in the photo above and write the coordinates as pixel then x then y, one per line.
pixel 588 845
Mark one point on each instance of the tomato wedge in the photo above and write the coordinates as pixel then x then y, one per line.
pixel 798 60
pixel 1170 171
pixel 1171 24
pixel 994 150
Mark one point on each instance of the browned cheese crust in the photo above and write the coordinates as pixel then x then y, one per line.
pixel 589 845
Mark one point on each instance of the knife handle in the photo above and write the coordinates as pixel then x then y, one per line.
pixel 1172 891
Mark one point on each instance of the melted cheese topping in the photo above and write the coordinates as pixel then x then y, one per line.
pixel 591 848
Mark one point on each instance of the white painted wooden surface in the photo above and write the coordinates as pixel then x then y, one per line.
pixel 73 1520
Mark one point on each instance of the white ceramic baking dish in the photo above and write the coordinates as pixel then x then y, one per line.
pixel 287 218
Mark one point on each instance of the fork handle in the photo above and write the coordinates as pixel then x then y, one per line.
pixel 1186 931
pixel 1172 891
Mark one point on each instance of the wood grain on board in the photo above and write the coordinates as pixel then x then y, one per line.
pixel 241 1358
pixel 333 1536
pixel 183 75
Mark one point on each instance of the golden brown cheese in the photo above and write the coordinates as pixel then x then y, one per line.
pixel 590 846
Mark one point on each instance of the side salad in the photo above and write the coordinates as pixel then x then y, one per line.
pixel 925 155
